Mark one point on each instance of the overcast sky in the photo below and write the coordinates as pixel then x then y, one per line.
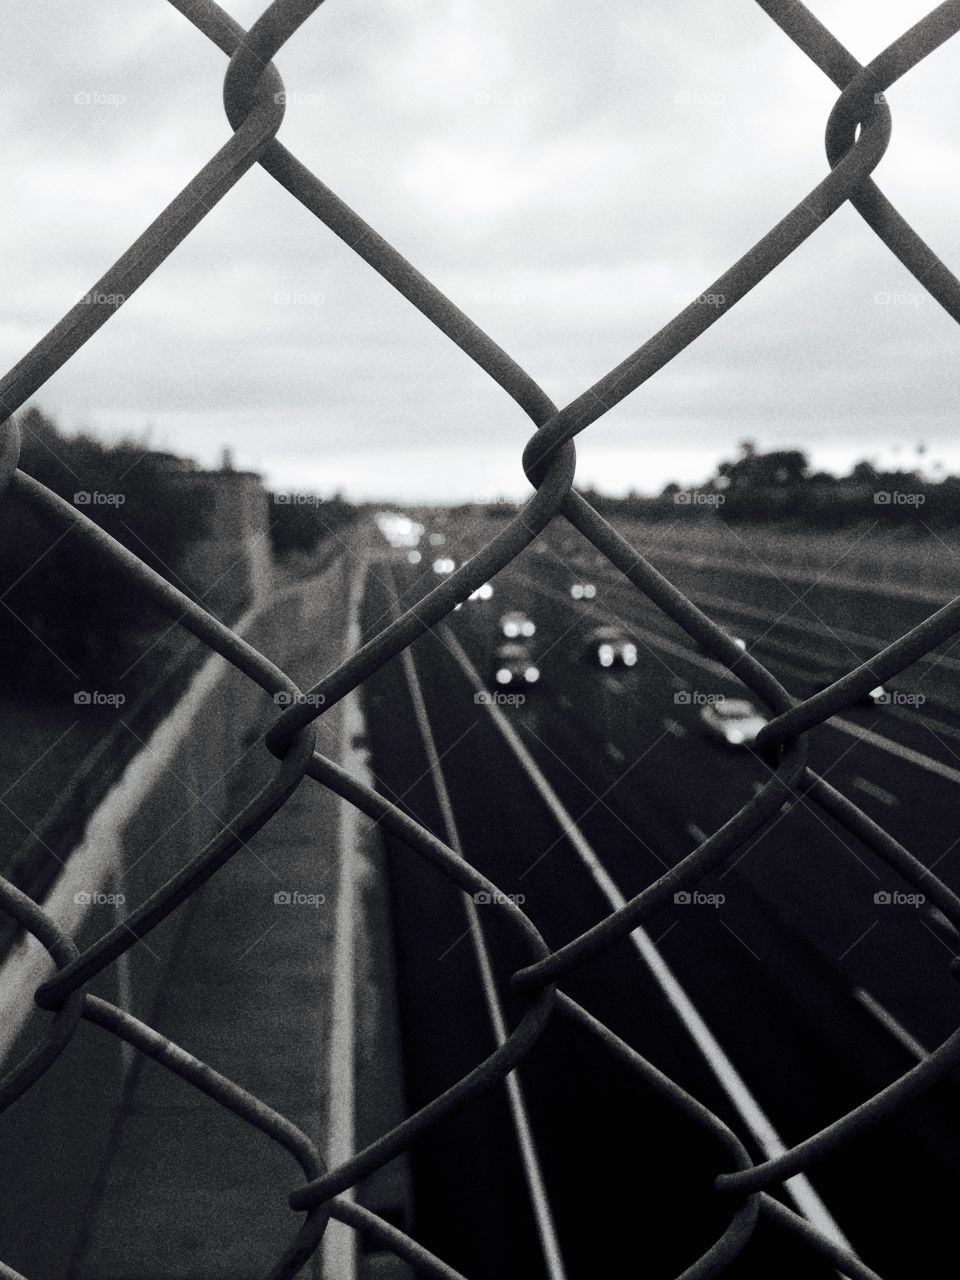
pixel 569 171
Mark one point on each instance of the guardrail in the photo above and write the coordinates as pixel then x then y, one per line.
pixel 857 135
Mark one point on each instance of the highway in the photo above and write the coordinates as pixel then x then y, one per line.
pixel 784 997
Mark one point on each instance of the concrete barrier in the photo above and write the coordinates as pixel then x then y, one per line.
pixel 66 1144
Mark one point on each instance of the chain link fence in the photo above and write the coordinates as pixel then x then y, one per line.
pixel 857 135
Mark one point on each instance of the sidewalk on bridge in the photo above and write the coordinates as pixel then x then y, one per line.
pixel 190 1191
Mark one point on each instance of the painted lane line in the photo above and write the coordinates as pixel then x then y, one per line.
pixel 871 789
pixel 530 1160
pixel 799 1186
pixel 918 758
pixel 339 1252
pixel 886 1019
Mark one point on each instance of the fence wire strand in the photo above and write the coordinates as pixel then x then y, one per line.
pixel 857 135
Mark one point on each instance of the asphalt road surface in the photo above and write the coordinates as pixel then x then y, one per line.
pixel 815 993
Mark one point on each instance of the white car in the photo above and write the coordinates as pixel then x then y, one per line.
pixel 611 647
pixel 735 722
pixel 514 664
pixel 876 697
pixel 516 624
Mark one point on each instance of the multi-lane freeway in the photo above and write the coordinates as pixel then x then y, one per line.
pixel 801 978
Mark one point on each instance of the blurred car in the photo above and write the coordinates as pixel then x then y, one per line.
pixel 583 591
pixel 398 529
pixel 444 565
pixel 737 640
pixel 734 721
pixel 514 664
pixel 483 592
pixel 611 647
pixel 875 697
pixel 516 624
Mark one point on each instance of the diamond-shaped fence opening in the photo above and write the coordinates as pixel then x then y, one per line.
pixel 857 134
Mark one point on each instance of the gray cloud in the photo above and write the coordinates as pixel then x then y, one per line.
pixel 568 173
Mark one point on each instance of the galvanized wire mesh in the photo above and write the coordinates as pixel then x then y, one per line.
pixel 857 134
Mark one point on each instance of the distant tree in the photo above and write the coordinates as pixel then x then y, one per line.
pixel 63 599
pixel 300 527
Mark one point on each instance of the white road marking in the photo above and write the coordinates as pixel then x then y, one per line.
pixel 799 1186
pixel 886 1018
pixel 530 1160
pixel 918 758
pixel 614 752
pixel 871 789
pixel 339 1249
pixel 897 749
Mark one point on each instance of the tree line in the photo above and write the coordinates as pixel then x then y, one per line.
pixel 780 487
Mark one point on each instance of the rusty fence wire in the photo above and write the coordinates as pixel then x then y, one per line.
pixel 857 134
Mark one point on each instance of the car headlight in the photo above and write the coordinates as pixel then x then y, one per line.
pixel 529 629
pixel 532 675
pixel 510 629
pixel 504 675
